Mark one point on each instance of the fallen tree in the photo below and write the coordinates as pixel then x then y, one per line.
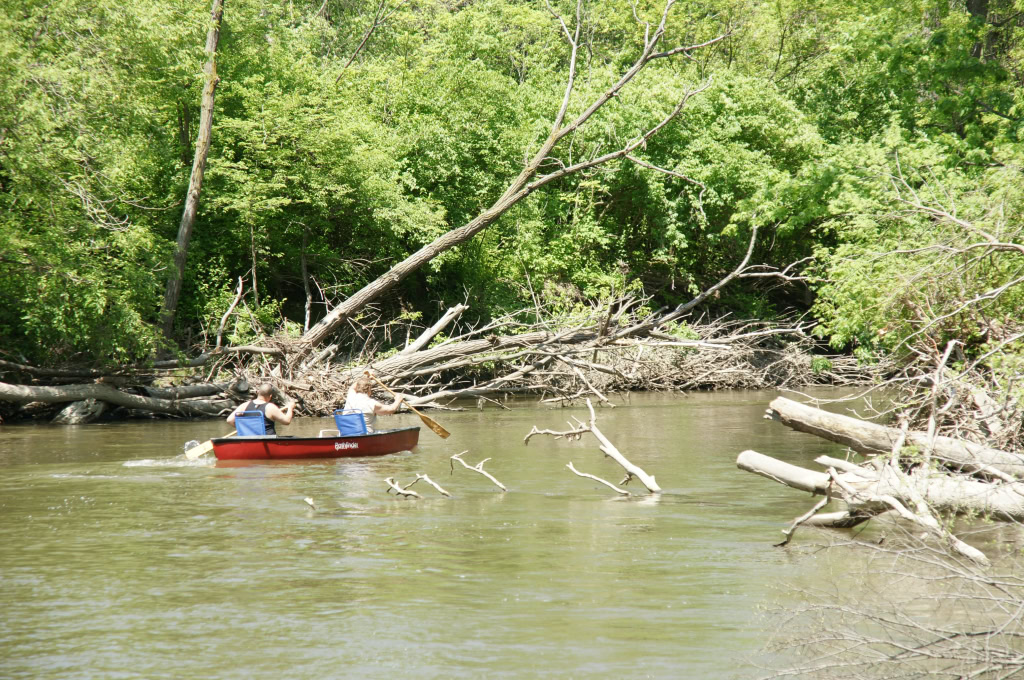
pixel 871 438
pixel 898 478
pixel 529 180
pixel 868 493
pixel 944 492
pixel 190 407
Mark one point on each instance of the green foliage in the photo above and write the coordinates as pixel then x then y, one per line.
pixel 820 365
pixel 344 165
pixel 88 102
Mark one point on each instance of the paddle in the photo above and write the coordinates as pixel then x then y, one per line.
pixel 438 430
pixel 203 448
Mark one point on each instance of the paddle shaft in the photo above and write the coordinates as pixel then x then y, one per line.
pixel 204 448
pixel 432 424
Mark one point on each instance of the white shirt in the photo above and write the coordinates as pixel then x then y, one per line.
pixel 365 403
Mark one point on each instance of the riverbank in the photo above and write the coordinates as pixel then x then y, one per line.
pixel 561 361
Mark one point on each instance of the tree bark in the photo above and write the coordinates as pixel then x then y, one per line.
pixel 428 334
pixel 871 438
pixel 66 393
pixel 195 183
pixel 943 493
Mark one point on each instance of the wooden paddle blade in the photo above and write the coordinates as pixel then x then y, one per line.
pixel 201 450
pixel 204 448
pixel 438 430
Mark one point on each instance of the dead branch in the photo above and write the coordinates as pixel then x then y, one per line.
pixel 788 533
pixel 224 319
pixel 428 334
pixel 431 482
pixel 479 467
pixel 574 434
pixel 605 445
pixel 675 173
pixel 923 517
pixel 400 490
pixel 586 382
pixel 621 492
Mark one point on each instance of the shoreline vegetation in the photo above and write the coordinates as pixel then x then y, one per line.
pixel 299 192
pixel 592 353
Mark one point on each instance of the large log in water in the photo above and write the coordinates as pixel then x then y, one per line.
pixel 870 438
pixel 101 392
pixel 943 493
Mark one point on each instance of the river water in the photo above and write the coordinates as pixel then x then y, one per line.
pixel 121 559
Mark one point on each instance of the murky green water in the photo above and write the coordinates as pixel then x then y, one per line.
pixel 120 559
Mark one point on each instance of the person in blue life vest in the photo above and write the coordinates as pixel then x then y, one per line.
pixel 265 405
pixel 359 399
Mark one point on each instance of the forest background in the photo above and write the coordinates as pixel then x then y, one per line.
pixel 877 145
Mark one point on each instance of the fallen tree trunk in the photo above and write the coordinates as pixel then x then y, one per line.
pixel 101 392
pixel 944 493
pixel 186 391
pixel 427 335
pixel 871 438
pixel 12 367
pixel 916 498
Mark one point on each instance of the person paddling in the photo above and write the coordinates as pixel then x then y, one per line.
pixel 359 399
pixel 265 405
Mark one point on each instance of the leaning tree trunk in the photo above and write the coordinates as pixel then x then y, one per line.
pixel 528 179
pixel 195 183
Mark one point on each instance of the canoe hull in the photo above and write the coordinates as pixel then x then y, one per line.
pixel 296 448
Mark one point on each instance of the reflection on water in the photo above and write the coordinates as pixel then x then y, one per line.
pixel 123 559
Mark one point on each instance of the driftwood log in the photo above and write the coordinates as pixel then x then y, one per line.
pixel 111 395
pixel 870 493
pixel 920 477
pixel 871 438
pixel 945 493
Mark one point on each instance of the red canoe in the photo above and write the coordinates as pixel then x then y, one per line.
pixel 291 448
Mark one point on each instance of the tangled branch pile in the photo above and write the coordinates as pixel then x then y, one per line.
pixel 593 351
